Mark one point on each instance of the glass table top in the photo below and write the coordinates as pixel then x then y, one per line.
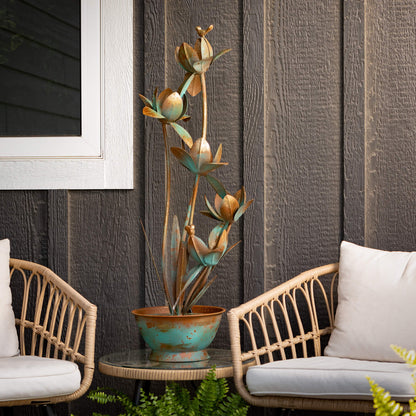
pixel 139 359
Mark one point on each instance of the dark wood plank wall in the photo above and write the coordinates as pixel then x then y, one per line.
pixel 315 109
pixel 391 124
pixel 303 141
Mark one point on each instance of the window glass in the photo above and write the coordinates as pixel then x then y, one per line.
pixel 40 68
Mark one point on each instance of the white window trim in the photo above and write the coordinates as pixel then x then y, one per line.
pixel 102 157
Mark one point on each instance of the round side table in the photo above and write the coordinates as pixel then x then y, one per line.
pixel 135 364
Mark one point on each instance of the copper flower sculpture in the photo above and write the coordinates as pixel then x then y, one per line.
pixel 196 61
pixel 187 261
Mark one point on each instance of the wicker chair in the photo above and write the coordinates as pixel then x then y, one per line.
pixel 273 327
pixel 53 321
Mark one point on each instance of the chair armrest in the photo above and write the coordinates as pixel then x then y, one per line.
pixel 53 320
pixel 285 321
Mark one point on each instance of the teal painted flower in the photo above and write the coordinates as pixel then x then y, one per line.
pixel 169 107
pixel 207 255
pixel 199 159
pixel 228 208
pixel 197 60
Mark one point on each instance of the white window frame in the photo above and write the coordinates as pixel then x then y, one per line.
pixel 102 157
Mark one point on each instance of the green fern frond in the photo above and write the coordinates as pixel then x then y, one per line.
pixel 383 402
pixel 211 399
pixel 409 356
pixel 234 405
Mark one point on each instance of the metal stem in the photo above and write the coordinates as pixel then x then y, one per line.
pixel 193 200
pixel 166 220
pixel 204 106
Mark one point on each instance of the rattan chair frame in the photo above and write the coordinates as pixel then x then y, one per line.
pixel 60 324
pixel 320 282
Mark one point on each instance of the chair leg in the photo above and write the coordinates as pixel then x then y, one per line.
pixel 47 410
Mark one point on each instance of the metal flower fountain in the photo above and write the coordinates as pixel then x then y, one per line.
pixel 187 261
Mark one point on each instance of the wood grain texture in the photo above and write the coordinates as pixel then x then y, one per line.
pixel 303 141
pixel 154 77
pixel 391 125
pixel 354 121
pixel 24 221
pixel 58 236
pixel 253 145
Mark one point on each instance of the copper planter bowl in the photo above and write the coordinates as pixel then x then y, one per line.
pixel 178 338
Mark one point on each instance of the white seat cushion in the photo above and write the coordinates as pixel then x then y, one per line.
pixel 29 377
pixel 329 378
pixel 376 304
pixel 8 335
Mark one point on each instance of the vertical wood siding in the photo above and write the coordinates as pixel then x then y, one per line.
pixel 315 109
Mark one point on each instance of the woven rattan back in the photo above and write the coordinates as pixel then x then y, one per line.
pixel 292 319
pixel 53 319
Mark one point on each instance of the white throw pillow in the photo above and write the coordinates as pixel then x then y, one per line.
pixel 9 345
pixel 376 304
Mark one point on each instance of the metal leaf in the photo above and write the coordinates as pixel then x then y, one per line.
pixel 201 292
pixel 181 271
pixel 208 214
pixel 184 158
pixel 184 135
pixel 218 155
pixel 196 86
pixel 185 118
pixel 213 258
pixel 196 287
pixel 218 202
pixel 146 101
pixel 185 84
pixel 209 167
pixel 147 111
pixel 240 195
pixel 198 249
pixel 220 54
pixel 217 185
pixel 214 236
pixel 188 279
pixel 155 103
pixel 223 241
pixel 174 247
pixel 242 210
pixel 212 210
pixel 230 248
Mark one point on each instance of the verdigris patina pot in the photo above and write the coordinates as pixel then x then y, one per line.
pixel 178 338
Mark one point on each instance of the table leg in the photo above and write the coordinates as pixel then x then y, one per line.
pixel 140 384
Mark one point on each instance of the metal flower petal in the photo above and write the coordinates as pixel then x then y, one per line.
pixel 202 253
pixel 228 209
pixel 197 60
pixel 199 159
pixel 168 107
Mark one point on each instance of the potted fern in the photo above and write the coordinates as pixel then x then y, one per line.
pixel 181 330
pixel 212 398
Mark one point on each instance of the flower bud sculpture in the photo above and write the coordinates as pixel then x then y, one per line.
pixel 187 261
pixel 196 61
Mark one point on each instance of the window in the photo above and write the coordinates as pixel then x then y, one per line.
pixel 101 156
